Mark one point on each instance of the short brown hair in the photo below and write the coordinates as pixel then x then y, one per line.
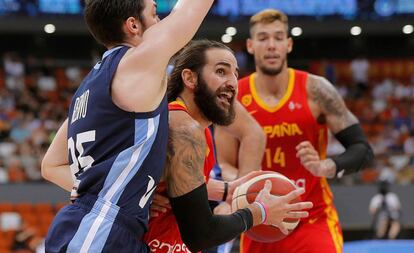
pixel 105 18
pixel 268 16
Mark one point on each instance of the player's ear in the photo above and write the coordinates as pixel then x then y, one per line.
pixel 249 46
pixel 189 78
pixel 290 44
pixel 133 26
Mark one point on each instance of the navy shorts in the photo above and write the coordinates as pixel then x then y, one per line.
pixel 93 225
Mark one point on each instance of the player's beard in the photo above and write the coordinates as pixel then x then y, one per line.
pixel 207 102
pixel 272 71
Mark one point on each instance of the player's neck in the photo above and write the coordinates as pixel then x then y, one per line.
pixel 193 109
pixel 272 85
pixel 129 42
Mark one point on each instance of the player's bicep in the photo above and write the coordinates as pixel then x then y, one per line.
pixel 187 149
pixel 331 104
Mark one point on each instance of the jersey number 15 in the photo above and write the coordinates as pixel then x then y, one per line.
pixel 80 163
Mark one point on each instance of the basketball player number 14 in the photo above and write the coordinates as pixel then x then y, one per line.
pixel 276 157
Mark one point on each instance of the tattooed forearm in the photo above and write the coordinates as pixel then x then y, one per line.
pixel 331 104
pixel 185 164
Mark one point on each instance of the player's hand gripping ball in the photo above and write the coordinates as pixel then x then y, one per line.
pixel 246 193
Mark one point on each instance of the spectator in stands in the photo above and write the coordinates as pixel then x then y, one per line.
pixel 360 69
pixel 22 239
pixel 4 177
pixel 15 71
pixel 385 207
pixel 15 170
pixel 387 172
pixel 409 151
pixel 409 145
pixel 330 71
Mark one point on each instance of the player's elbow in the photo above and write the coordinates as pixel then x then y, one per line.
pixel 261 139
pixel 194 242
pixel 370 155
pixel 258 134
pixel 45 169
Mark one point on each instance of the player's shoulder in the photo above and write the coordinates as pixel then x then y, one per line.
pixel 183 122
pixel 245 81
pixel 315 84
pixel 315 79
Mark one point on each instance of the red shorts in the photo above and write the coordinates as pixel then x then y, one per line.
pixel 323 235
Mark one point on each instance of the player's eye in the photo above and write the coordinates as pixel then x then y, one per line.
pixel 220 71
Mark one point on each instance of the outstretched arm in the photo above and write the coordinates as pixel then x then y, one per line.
pixel 138 84
pixel 343 124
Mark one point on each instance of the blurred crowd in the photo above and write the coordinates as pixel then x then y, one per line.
pixel 381 95
pixel 35 94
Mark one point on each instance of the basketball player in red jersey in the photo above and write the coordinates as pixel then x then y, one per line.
pixel 295 110
pixel 202 88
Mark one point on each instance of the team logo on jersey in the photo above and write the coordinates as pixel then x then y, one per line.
pixel 292 106
pixel 150 189
pixel 247 100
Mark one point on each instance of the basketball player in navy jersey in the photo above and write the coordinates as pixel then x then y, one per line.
pixel 110 152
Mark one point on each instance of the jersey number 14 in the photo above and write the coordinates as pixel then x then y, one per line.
pixel 276 156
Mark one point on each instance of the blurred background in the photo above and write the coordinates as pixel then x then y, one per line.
pixel 364 47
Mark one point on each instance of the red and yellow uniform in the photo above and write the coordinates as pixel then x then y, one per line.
pixel 163 234
pixel 286 125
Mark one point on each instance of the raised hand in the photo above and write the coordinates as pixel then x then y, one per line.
pixel 310 159
pixel 279 208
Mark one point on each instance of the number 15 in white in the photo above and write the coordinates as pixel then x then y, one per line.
pixel 80 163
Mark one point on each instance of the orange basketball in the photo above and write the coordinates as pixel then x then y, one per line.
pixel 246 193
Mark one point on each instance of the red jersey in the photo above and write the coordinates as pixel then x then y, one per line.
pixel 163 234
pixel 286 125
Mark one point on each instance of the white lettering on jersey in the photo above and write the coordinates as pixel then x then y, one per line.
pixel 81 107
pixel 156 245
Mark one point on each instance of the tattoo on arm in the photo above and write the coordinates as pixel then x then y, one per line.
pixel 185 160
pixel 331 104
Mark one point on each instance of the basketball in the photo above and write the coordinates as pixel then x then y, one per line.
pixel 246 193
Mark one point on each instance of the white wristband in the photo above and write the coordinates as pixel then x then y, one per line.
pixel 262 210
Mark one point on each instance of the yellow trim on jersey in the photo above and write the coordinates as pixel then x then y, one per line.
pixel 322 144
pixel 241 244
pixel 282 101
pixel 332 217
pixel 178 102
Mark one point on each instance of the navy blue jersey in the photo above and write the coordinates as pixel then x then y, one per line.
pixel 116 157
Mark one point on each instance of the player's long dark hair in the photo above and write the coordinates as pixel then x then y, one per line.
pixel 193 57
